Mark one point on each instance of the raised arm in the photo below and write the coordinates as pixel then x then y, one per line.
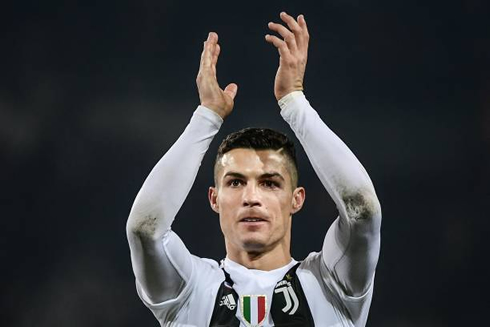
pixel 351 247
pixel 161 263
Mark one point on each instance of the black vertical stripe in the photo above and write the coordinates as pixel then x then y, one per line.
pixel 223 316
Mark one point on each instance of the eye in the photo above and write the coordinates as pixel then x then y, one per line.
pixel 270 184
pixel 235 182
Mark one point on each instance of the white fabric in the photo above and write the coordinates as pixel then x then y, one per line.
pixel 181 289
pixel 257 282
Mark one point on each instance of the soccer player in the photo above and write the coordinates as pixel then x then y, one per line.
pixel 255 195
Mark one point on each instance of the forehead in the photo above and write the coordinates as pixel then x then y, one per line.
pixel 248 161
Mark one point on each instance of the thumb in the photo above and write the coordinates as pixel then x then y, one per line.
pixel 231 90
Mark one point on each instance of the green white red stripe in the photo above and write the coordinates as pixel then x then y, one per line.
pixel 254 309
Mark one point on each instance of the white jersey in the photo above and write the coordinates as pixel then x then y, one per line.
pixel 181 289
pixel 329 305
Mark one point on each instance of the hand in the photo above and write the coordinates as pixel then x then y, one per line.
pixel 293 54
pixel 211 95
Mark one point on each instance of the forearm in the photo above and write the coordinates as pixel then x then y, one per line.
pixel 337 167
pixel 168 184
pixel 351 246
pixel 161 263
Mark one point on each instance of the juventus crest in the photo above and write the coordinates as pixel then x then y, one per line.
pixel 292 301
pixel 288 306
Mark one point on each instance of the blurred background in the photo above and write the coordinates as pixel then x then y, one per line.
pixel 92 94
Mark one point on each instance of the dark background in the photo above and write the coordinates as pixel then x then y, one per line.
pixel 92 93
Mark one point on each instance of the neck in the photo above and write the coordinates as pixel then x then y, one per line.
pixel 275 258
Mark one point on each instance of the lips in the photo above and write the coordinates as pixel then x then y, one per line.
pixel 251 219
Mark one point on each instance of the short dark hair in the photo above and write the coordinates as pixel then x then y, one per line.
pixel 260 139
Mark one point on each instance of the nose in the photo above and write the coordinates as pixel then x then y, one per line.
pixel 251 196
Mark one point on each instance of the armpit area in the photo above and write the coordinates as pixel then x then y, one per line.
pixel 361 205
pixel 146 227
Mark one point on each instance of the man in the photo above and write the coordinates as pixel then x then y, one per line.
pixel 255 195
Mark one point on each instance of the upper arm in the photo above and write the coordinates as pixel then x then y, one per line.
pixel 351 246
pixel 162 266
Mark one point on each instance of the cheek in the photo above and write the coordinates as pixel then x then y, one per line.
pixel 287 205
pixel 280 204
pixel 228 200
pixel 228 205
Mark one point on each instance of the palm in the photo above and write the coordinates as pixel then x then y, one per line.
pixel 211 95
pixel 293 53
pixel 287 81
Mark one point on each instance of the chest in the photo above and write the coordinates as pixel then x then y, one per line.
pixel 261 301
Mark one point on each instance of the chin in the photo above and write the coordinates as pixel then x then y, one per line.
pixel 253 244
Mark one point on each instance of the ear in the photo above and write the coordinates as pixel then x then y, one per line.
pixel 299 196
pixel 213 198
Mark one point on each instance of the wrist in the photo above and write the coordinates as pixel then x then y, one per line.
pixel 288 98
pixel 282 94
pixel 216 109
pixel 210 115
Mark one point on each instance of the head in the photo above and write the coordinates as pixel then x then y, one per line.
pixel 256 192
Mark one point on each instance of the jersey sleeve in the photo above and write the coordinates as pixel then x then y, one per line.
pixel 162 265
pixel 351 247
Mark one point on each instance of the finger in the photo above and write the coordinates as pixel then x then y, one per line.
pixel 291 22
pixel 279 44
pixel 304 27
pixel 212 38
pixel 302 23
pixel 216 53
pixel 286 34
pixel 231 89
pixel 295 27
pixel 209 47
pixel 205 57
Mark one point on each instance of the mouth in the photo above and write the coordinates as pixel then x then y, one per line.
pixel 252 220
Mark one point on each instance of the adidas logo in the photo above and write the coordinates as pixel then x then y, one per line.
pixel 229 301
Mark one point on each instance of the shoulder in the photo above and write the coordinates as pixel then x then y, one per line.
pixel 324 291
pixel 205 271
pixel 194 299
pixel 310 272
pixel 311 262
pixel 206 263
pixel 313 270
pixel 314 267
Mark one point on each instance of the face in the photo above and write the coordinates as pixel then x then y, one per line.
pixel 255 200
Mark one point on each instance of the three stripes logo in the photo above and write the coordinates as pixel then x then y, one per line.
pixel 292 302
pixel 229 301
pixel 254 308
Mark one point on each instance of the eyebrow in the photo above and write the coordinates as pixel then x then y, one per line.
pixel 265 175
